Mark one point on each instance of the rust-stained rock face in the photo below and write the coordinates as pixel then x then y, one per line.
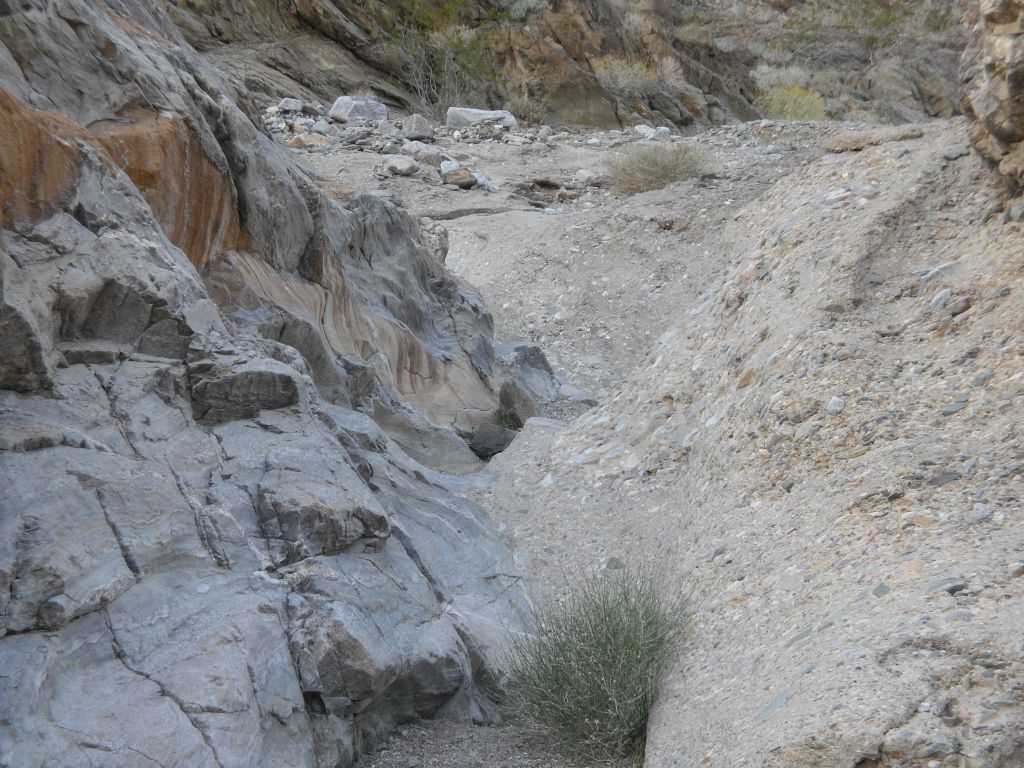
pixel 38 159
pixel 993 85
pixel 191 197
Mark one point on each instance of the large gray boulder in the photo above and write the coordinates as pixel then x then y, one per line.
pixel 346 108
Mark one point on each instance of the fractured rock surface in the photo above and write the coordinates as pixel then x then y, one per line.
pixel 993 90
pixel 216 545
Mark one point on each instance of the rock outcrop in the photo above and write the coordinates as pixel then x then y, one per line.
pixel 596 63
pixel 217 544
pixel 993 86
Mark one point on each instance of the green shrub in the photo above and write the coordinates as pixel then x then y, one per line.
pixel 792 102
pixel 653 166
pixel 506 420
pixel 584 675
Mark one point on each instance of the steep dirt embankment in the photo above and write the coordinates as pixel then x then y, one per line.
pixel 215 546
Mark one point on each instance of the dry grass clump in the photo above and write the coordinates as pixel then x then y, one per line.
pixel 671 77
pixel 584 676
pixel 638 79
pixel 654 166
pixel 627 77
pixel 793 102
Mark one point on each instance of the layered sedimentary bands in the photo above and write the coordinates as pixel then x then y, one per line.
pixel 217 546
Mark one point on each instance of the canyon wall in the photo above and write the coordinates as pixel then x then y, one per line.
pixel 217 543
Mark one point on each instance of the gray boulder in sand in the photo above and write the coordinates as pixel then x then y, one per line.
pixel 346 108
pixel 417 128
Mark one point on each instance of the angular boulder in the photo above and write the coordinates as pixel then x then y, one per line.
pixel 417 128
pixel 346 108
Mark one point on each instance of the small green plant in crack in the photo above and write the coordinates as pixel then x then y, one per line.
pixel 583 676
pixel 507 421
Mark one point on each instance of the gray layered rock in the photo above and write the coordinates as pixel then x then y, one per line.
pixel 216 544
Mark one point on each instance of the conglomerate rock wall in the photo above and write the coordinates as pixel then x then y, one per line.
pixel 993 86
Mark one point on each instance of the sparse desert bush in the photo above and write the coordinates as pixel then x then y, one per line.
pixel 364 92
pixel 671 77
pixel 766 75
pixel 530 111
pixel 584 675
pixel 792 102
pixel 446 68
pixel 646 167
pixel 638 79
pixel 627 77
